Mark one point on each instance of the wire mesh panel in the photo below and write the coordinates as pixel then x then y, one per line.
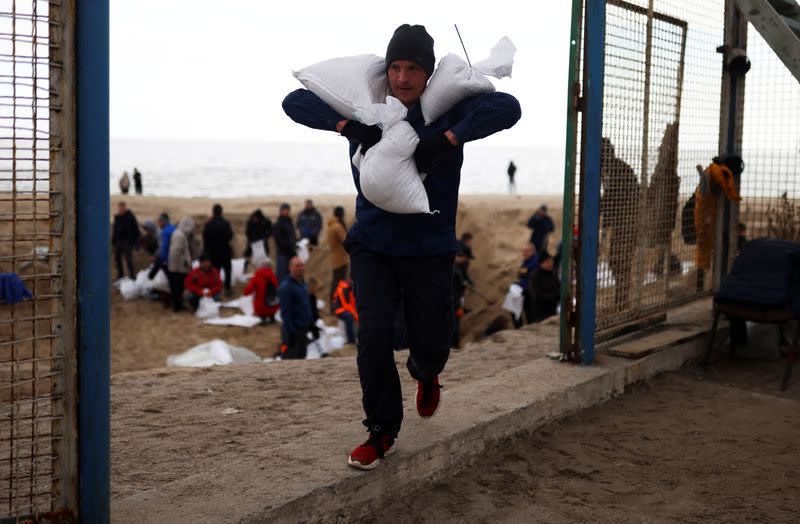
pixel 660 121
pixel 770 184
pixel 33 241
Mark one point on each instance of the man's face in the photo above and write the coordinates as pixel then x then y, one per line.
pixel 527 251
pixel 205 265
pixel 297 268
pixel 468 242
pixel 285 212
pixel 547 265
pixel 407 80
pixel 309 204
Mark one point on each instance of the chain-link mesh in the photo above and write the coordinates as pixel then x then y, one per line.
pixel 770 184
pixel 661 111
pixel 31 247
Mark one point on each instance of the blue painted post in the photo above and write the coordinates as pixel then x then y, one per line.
pixel 590 210
pixel 94 427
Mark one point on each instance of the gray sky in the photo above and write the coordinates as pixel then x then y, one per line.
pixel 193 70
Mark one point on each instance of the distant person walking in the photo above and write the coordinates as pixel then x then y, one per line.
pixel 285 241
pixel 124 238
pixel 295 310
pixel 137 181
pixel 182 248
pixel 309 223
pixel 541 225
pixel 217 236
pixel 259 229
pixel 337 232
pixel 124 183
pixel 512 185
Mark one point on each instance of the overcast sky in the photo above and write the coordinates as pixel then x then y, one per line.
pixel 210 70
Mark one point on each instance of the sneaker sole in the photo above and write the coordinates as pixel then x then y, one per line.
pixel 377 462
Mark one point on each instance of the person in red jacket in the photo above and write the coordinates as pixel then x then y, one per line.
pixel 264 287
pixel 202 281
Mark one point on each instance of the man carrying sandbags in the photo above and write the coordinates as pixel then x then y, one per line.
pixel 406 255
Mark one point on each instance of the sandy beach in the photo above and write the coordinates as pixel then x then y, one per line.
pixel 143 333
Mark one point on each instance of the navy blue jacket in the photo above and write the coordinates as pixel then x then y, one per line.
pixel 419 234
pixel 295 305
pixel 526 270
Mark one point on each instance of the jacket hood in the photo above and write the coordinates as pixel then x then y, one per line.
pixel 186 225
pixel 150 227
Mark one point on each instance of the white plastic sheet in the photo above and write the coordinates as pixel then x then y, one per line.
pixel 514 300
pixel 214 353
pixel 244 303
pixel 235 320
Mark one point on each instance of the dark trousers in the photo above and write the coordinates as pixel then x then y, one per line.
pixel 282 267
pixel 194 300
pixel 296 345
pixel 176 289
pixel 425 285
pixel 339 274
pixel 124 251
pixel 349 326
pixel 224 263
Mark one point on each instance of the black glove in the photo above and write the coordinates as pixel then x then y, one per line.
pixel 365 135
pixel 429 149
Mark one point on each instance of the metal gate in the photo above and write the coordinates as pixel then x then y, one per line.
pixel 38 437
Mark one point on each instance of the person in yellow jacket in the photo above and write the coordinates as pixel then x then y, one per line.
pixel 344 304
pixel 336 233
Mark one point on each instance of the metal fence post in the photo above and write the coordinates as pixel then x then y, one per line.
pixel 590 210
pixel 93 256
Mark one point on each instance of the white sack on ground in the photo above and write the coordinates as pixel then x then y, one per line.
pixel 500 61
pixel 244 303
pixel 207 308
pixel 235 320
pixel 214 353
pixel 302 249
pixel 141 287
pixel 330 338
pixel 514 300
pixel 389 177
pixel 160 282
pixel 347 83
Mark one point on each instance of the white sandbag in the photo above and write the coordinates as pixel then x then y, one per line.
pixel 500 61
pixel 237 272
pixel 160 282
pixel 302 250
pixel 214 353
pixel 452 82
pixel 128 289
pixel 244 303
pixel 144 284
pixel 389 177
pixel 514 300
pixel 347 83
pixel 207 308
pixel 259 254
pixel 235 320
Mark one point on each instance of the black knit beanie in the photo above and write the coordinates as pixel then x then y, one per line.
pixel 412 42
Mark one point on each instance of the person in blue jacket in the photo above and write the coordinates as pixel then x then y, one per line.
pixel 406 261
pixel 296 310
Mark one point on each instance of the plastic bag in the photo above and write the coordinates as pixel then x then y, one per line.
pixel 500 61
pixel 207 308
pixel 514 300
pixel 347 83
pixel 160 282
pixel 214 353
pixel 128 289
pixel 389 177
pixel 259 254
pixel 237 272
pixel 302 249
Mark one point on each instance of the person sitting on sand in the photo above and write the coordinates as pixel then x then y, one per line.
pixel 296 312
pixel 263 286
pixel 202 281
pixel 408 256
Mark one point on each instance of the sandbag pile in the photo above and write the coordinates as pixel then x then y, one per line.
pixel 356 87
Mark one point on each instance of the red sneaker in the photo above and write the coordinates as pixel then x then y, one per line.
pixel 370 454
pixel 429 397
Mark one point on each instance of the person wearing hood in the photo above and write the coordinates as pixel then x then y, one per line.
pixel 336 233
pixel 182 248
pixel 263 285
pixel 544 290
pixel 404 262
pixel 309 223
pixel 124 183
pixel 217 236
pixel 285 241
pixel 149 240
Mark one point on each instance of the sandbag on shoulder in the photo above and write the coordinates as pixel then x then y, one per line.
pixel 454 80
pixel 347 83
pixel 389 177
